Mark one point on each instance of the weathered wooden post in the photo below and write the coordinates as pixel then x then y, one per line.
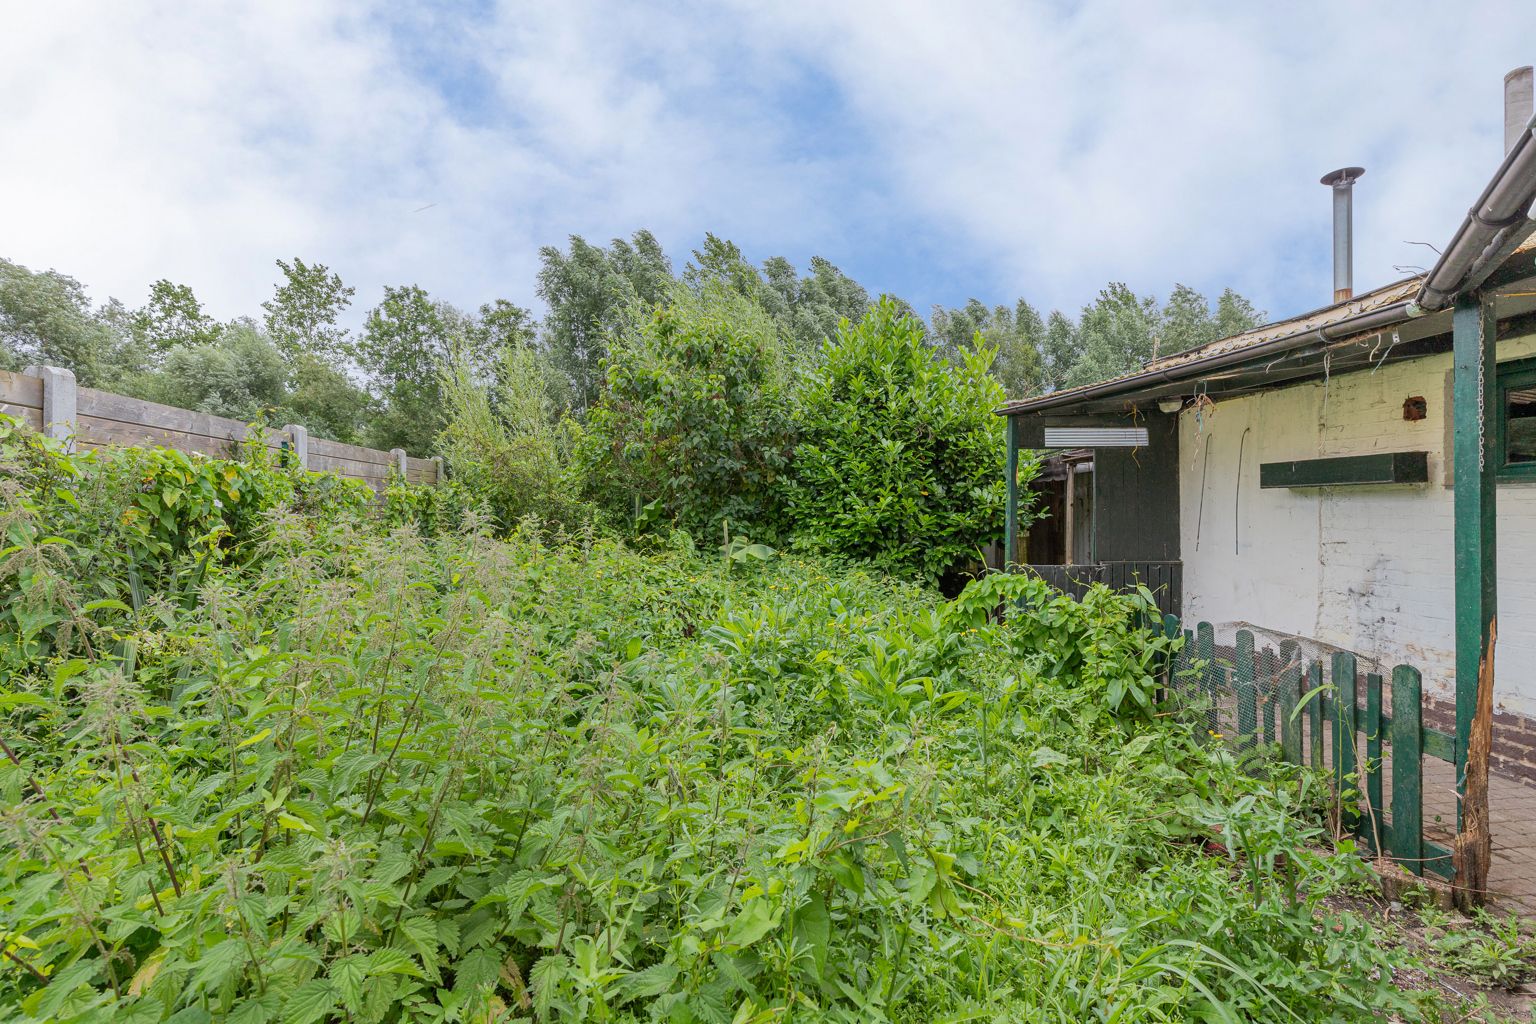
pixel 61 417
pixel 1474 385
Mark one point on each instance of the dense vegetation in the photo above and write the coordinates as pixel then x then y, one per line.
pixel 274 754
pixel 379 384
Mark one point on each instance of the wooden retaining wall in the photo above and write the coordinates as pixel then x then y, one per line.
pixel 48 400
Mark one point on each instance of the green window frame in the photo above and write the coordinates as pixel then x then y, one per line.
pixel 1520 373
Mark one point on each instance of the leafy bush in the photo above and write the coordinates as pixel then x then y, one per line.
pixel 377 778
pixel 900 459
pixel 503 448
pixel 694 416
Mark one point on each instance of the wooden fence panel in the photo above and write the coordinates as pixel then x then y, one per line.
pixel 22 397
pixel 1332 731
pixel 100 419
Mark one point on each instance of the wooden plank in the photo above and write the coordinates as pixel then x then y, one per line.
pixel 1247 695
pixel 20 390
pixel 1377 468
pixel 1345 769
pixel 95 432
pixel 155 419
pixel 1407 826
pixel 346 467
pixel 1438 860
pixel 357 453
pixel 25 413
pixel 1371 827
pixel 1315 710
pixel 1290 692
pixel 1439 744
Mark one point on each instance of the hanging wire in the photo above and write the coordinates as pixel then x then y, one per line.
pixel 1237 493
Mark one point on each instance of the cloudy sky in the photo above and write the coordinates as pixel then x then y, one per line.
pixel 938 150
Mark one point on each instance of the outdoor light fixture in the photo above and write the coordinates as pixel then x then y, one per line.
pixel 1170 405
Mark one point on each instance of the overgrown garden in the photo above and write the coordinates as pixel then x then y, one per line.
pixel 275 753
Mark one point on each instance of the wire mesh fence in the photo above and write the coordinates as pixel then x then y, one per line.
pixel 1391 750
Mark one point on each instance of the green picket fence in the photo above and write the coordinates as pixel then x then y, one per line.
pixel 1304 712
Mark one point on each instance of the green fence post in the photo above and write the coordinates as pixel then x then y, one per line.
pixel 1290 685
pixel 1011 525
pixel 1372 827
pixel 1265 685
pixel 1407 826
pixel 1344 735
pixel 1315 710
pixel 1205 642
pixel 1475 384
pixel 1247 709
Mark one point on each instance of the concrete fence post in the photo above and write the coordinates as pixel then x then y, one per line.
pixel 442 476
pixel 398 454
pixel 299 436
pixel 61 402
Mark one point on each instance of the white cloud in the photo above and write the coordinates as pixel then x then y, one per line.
pixel 1051 147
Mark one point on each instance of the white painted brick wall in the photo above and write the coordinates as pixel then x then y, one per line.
pixel 1367 568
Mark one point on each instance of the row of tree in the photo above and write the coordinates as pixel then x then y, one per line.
pixel 383 384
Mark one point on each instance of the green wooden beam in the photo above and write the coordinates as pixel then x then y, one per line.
pixel 1011 529
pixel 1377 468
pixel 1473 327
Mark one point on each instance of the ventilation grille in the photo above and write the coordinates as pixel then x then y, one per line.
pixel 1095 437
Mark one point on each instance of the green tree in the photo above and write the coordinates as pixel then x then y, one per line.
pixel 814 305
pixel 1235 315
pixel 694 421
pixel 502 442
pixel 304 315
pixel 587 290
pixel 1060 351
pixel 1186 322
pixel 1116 333
pixel 407 341
pixel 324 399
pixel 900 460
pixel 173 316
pixel 237 373
pixel 1016 333
pixel 47 318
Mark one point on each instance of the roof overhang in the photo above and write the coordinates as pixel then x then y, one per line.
pixel 1491 253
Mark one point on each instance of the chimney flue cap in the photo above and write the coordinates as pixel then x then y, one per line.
pixel 1342 176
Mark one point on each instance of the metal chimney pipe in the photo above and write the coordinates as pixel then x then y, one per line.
pixel 1342 181
pixel 1518 94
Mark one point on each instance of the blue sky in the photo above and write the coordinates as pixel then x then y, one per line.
pixel 939 151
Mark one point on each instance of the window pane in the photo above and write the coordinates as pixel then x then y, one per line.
pixel 1519 425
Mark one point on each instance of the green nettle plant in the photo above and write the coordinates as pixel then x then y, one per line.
pixel 694 419
pixel 901 459
pixel 328 769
